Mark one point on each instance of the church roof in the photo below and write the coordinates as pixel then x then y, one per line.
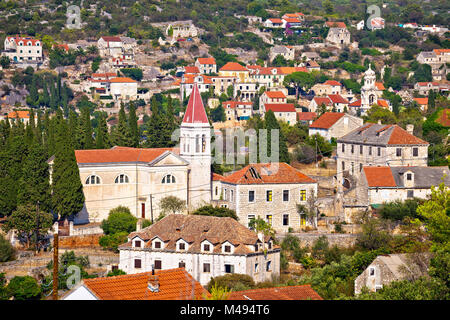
pixel 195 111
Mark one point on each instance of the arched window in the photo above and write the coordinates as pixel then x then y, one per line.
pixel 168 179
pixel 122 178
pixel 93 179
pixel 197 143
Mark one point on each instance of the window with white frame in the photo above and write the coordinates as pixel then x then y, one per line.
pixel 168 179
pixel 122 178
pixel 93 179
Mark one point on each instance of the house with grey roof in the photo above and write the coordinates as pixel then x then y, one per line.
pixel 379 185
pixel 393 267
pixel 286 52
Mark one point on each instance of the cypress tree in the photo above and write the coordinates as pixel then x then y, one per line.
pixel 88 141
pixel 271 123
pixel 33 97
pixel 431 100
pixel 102 138
pixel 121 134
pixel 44 100
pixel 68 197
pixel 133 125
pixel 156 132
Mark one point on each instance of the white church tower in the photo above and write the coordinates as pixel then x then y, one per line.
pixel 195 147
pixel 368 91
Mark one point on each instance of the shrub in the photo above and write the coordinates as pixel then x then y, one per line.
pixel 119 219
pixel 116 272
pixel 232 281
pixel 6 250
pixel 398 210
pixel 112 241
pixel 24 288
pixel 216 212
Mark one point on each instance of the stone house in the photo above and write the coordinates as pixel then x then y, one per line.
pixel 328 87
pixel 287 52
pixel 110 46
pixel 387 268
pixel 204 246
pixel 379 145
pixel 246 91
pixel 123 88
pixel 206 65
pixel 386 184
pixel 172 284
pixel 338 36
pixel 22 116
pixel 424 87
pixel 23 50
pixel 272 97
pixel 182 29
pixel 332 101
pixel 238 110
pixel 270 191
pixel 334 125
pixel 283 112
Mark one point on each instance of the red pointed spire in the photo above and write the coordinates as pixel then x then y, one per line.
pixel 195 111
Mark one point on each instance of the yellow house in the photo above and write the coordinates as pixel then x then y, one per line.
pixel 234 69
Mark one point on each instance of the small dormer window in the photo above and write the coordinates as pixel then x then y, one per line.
pixel 409 176
pixel 157 245
pixel 137 243
pixel 227 248
pixel 181 246
pixel 206 247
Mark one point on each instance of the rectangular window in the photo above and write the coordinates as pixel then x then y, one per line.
pixel 399 152
pixel 269 219
pixel 229 268
pixel 251 196
pixel 343 147
pixel 415 152
pixel 285 219
pixel 157 245
pixel 227 248
pixel 370 151
pixel 224 194
pixel 410 194
pixel 343 165
pixel 206 267
pixel 158 265
pixel 256 267
pixel 371 272
pixel 360 167
pixel 302 195
pixel 269 266
pixel 181 264
pixel 206 247
pixel 137 263
pixel 181 246
pixel 285 195
pixel 409 176
pixel 361 149
pixel 269 195
pixel 231 195
pixel 137 244
pixel 353 168
pixel 379 151
pixel 353 148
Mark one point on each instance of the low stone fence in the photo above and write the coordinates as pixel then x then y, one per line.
pixel 85 229
pixel 83 241
pixel 342 240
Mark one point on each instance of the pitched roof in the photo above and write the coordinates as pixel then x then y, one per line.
pixel 174 284
pixel 217 177
pixel 421 101
pixel 261 173
pixel 24 40
pixel 280 107
pixel 332 83
pixel 210 60
pixel 191 69
pixel 441 51
pixel 337 98
pixel 382 103
pixel 234 104
pixel 122 80
pixel 379 134
pixel 111 39
pixel 195 111
pixel 303 292
pixel 276 20
pixel 104 75
pixel 356 103
pixel 336 24
pixel 306 116
pixel 379 176
pixel 327 120
pixel 233 66
pixel 380 86
pixel 275 94
pixel 19 114
pixel 120 154
pixel 322 100
pixel 291 20
pixel 194 229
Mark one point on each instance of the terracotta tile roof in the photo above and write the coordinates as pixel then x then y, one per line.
pixel 174 284
pixel 337 98
pixel 120 154
pixel 336 24
pixel 111 39
pixel 191 69
pixel 280 107
pixel 379 176
pixel 356 103
pixel 260 173
pixel 276 20
pixel 322 100
pixel 291 15
pixel 299 13
pixel 380 86
pixel 233 66
pixel 190 79
pixel 421 101
pixel 206 60
pixel 122 80
pixel 382 103
pixel 401 136
pixel 291 20
pixel 234 104
pixel 303 292
pixel 194 229
pixel 104 75
pixel 313 64
pixel 275 94
pixel 332 83
pixel 217 177
pixel 441 51
pixel 327 120
pixel 289 70
pixel 306 116
pixel 425 84
pixel 63 46
pixel 25 40
pixel 19 115
pixel 195 111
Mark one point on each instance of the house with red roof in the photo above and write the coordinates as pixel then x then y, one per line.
pixel 187 82
pixel 270 191
pixel 422 102
pixel 206 65
pixel 19 115
pixel 272 97
pixel 331 102
pixel 110 46
pixel 273 23
pixel 170 284
pixel 283 111
pixel 328 87
pixel 238 110
pixel 234 69
pixel 334 125
pixel 23 49
pixel 306 117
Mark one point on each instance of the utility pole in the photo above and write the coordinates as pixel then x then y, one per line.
pixel 151 207
pixel 55 266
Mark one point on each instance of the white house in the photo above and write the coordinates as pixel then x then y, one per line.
pixel 283 111
pixel 23 49
pixel 205 246
pixel 206 65
pixel 334 125
pixel 123 88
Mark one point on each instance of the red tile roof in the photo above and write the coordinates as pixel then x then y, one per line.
pixel 337 98
pixel 421 101
pixel 292 20
pixel 24 40
pixel 401 136
pixel 275 94
pixel 104 75
pixel 206 60
pixel 327 120
pixel 111 39
pixel 120 154
pixel 122 80
pixel 174 284
pixel 356 103
pixel 332 83
pixel 280 107
pixel 382 103
pixel 277 172
pixel 441 51
pixel 217 177
pixel 276 20
pixel 19 115
pixel 322 100
pixel 191 69
pixel 303 292
pixel 233 66
pixel 336 24
pixel 380 86
pixel 233 104
pixel 195 111
pixel 306 116
pixel 379 177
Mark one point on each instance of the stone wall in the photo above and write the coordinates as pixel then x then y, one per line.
pixel 307 239
pixel 83 241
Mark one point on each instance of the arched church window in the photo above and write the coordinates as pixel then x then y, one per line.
pixel 371 99
pixel 168 179
pixel 197 143
pixel 93 179
pixel 122 178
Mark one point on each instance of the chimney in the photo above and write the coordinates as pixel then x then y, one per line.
pixel 153 283
pixel 139 225
pixel 410 128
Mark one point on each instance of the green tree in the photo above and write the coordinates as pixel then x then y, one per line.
pixel 5 62
pixel 102 135
pixel 172 204
pixel 7 253
pixel 299 80
pixel 218 114
pixel 271 123
pixel 87 139
pixel 121 134
pixel 133 125
pixel 398 210
pixel 327 5
pixel 24 288
pixel 209 210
